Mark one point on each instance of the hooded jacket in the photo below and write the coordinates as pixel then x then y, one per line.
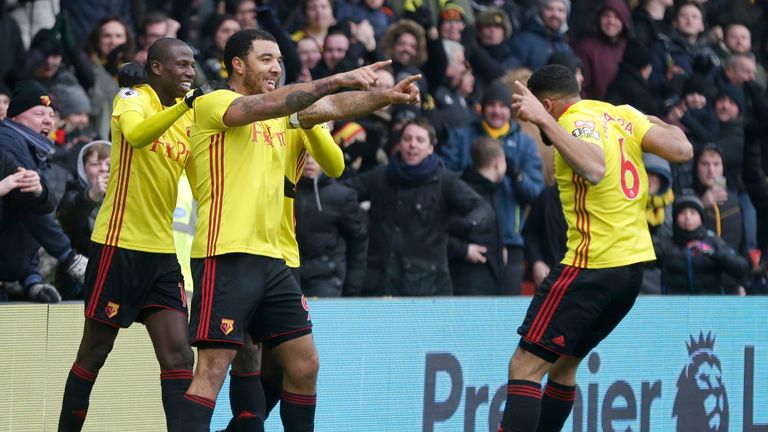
pixel 77 211
pixel 332 238
pixel 601 56
pixel 536 43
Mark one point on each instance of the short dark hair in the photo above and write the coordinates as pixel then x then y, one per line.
pixel 484 151
pixel 553 79
pixel 423 123
pixel 240 44
pixel 160 50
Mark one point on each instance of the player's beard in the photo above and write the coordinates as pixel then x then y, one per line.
pixel 253 82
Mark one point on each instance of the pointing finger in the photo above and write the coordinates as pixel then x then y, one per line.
pixel 379 65
pixel 409 80
pixel 522 89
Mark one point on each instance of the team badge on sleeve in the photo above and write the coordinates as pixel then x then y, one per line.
pixel 128 93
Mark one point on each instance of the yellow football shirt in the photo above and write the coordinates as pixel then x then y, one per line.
pixel 294 165
pixel 606 222
pixel 137 211
pixel 240 180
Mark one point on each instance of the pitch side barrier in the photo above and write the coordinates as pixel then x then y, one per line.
pixel 686 364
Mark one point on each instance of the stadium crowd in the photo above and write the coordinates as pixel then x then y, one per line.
pixel 453 197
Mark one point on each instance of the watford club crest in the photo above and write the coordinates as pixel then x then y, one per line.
pixel 227 325
pixel 112 309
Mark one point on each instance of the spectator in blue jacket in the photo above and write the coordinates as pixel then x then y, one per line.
pixel 524 179
pixel 543 35
pixel 23 137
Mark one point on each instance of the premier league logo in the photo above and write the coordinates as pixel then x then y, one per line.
pixel 701 404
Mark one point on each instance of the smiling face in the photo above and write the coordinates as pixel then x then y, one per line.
pixel 112 35
pixel 496 113
pixel 610 24
pixel 38 118
pixel 451 29
pixel 415 145
pixel 554 15
pixel 405 48
pixel 176 73
pixel 262 67
pixel 336 46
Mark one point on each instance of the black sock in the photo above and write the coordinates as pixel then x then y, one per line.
pixel 196 413
pixel 174 383
pixel 271 396
pixel 521 413
pixel 297 412
pixel 556 405
pixel 246 397
pixel 77 392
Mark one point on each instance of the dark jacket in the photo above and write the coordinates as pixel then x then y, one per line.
pixel 451 111
pixel 522 184
pixel 486 278
pixel 332 238
pixel 536 43
pixel 545 231
pixel 600 56
pixel 697 266
pixel 647 30
pixel 24 231
pixel 17 199
pixel 629 87
pixel 407 253
pixel 678 51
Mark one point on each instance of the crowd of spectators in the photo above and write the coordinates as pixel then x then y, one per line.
pixel 453 197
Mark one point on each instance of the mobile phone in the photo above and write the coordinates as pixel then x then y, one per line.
pixel 719 181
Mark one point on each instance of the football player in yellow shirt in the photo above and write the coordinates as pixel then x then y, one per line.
pixel 242 283
pixel 133 274
pixel 603 187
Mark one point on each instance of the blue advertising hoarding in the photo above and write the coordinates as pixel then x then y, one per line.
pixel 439 365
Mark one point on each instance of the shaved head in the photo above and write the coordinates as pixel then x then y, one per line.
pixel 162 50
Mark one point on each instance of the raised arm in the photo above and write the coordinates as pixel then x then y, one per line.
pixel 140 131
pixel 296 97
pixel 586 159
pixel 350 105
pixel 667 141
pixel 325 151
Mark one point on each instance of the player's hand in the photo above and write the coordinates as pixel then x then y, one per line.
pixel 362 78
pixel 405 92
pixel 476 253
pixel 131 74
pixel 204 89
pixel 527 107
pixel 540 272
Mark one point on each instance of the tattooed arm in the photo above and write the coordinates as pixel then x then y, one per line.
pixel 296 97
pixel 349 105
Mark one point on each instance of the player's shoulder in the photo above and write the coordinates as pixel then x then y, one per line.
pixel 128 93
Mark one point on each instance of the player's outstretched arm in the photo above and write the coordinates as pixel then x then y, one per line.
pixel 140 131
pixel 325 151
pixel 667 141
pixel 585 158
pixel 350 105
pixel 296 97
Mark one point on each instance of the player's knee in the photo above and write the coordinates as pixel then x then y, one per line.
pixel 304 368
pixel 247 360
pixel 180 357
pixel 527 366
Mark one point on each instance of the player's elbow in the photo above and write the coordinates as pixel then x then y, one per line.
pixel 596 174
pixel 685 152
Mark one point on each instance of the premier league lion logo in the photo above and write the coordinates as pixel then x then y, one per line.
pixel 701 404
